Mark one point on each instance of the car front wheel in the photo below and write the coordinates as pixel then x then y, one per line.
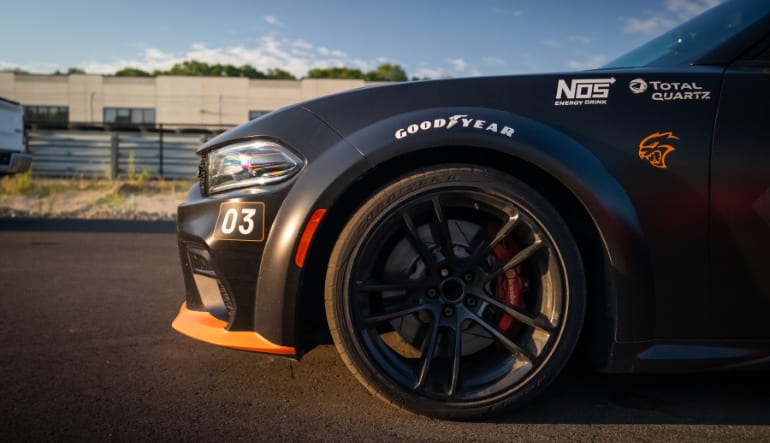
pixel 455 292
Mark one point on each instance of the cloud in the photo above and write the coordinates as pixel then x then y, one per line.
pixel 270 51
pixel 676 12
pixel 551 43
pixel 687 9
pixel 454 68
pixel 507 11
pixel 272 20
pixel 458 64
pixel 589 62
pixel 363 65
pixel 494 61
pixel 649 26
pixel 429 72
pixel 302 44
pixel 582 39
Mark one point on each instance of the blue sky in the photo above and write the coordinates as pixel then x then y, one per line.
pixel 427 38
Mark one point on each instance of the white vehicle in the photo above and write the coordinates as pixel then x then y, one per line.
pixel 13 150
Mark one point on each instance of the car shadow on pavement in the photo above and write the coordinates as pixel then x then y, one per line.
pixel 583 397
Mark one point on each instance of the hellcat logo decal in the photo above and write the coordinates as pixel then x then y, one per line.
pixel 656 147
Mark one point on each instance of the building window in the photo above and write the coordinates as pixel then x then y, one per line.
pixel 47 114
pixel 255 114
pixel 129 116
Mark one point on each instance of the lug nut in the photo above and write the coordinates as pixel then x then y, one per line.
pixel 445 273
pixel 468 277
pixel 449 311
pixel 432 292
pixel 470 301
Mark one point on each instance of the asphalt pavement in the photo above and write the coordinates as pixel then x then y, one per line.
pixel 87 353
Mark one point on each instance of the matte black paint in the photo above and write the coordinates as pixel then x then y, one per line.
pixel 687 247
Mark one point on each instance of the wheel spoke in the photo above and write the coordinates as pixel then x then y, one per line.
pixel 535 322
pixel 416 241
pixel 456 355
pixel 517 259
pixel 505 341
pixel 484 248
pixel 445 239
pixel 388 316
pixel 427 354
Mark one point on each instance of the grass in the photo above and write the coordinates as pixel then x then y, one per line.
pixel 118 193
pixel 25 184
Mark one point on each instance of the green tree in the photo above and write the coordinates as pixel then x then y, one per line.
pixel 189 67
pixel 251 72
pixel 132 72
pixel 15 71
pixel 75 71
pixel 336 72
pixel 279 74
pixel 387 73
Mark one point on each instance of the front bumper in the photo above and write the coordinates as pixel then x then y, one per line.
pixel 14 162
pixel 252 280
pixel 220 271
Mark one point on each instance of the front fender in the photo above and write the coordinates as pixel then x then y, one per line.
pixel 575 166
pixel 279 282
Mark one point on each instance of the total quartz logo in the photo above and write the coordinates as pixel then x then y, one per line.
pixel 669 91
pixel 637 86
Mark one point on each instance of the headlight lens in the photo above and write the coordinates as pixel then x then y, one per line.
pixel 249 163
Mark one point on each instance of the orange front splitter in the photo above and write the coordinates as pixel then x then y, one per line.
pixel 205 327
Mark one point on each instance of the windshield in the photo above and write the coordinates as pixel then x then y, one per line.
pixel 686 43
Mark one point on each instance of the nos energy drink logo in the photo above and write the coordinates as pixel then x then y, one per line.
pixel 584 91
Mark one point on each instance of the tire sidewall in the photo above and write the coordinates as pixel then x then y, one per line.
pixel 403 190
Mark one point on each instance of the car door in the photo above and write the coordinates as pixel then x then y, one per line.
pixel 740 202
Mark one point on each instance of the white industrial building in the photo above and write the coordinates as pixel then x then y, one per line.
pixel 85 99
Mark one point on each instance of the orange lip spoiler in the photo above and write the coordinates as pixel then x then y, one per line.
pixel 205 327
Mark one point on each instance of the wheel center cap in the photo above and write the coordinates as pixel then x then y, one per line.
pixel 452 289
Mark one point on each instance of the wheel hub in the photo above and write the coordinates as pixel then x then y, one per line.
pixel 452 290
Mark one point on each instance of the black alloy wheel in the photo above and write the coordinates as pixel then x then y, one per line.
pixel 455 292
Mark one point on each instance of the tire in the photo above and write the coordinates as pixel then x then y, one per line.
pixel 456 293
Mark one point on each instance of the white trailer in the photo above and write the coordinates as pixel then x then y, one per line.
pixel 13 149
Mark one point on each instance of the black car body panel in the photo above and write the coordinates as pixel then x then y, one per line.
pixel 666 167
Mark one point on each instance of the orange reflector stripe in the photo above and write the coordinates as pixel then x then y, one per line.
pixel 307 236
pixel 207 328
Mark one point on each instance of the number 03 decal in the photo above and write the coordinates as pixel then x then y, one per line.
pixel 241 222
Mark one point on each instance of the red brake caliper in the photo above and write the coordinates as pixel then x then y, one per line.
pixel 510 284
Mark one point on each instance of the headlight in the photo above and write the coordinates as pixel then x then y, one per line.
pixel 249 163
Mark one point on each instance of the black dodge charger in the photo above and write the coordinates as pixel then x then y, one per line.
pixel 461 238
